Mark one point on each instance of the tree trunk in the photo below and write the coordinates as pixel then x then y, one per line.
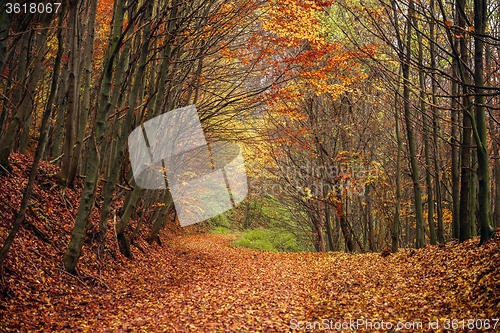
pixel 61 110
pixel 435 127
pixel 397 215
pixel 427 149
pixel 160 220
pixel 349 245
pixel 483 169
pixel 496 173
pixel 473 195
pixel 420 234
pixel 369 219
pixel 72 104
pixel 4 33
pixel 328 224
pixel 23 97
pixel 494 134
pixel 84 105
pixel 466 145
pixel 455 156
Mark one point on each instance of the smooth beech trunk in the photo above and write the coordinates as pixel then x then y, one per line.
pixel 483 167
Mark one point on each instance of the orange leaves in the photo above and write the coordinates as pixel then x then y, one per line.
pixel 297 53
pixel 202 283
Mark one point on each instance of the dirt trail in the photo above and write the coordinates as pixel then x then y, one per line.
pixel 202 283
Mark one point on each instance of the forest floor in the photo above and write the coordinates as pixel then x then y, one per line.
pixel 203 283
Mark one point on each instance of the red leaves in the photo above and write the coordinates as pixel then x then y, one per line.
pixel 200 284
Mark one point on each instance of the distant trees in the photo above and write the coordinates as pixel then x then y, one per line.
pixel 441 47
pixel 426 58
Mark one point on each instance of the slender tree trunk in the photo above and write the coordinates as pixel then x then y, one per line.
pixel 455 156
pixel 369 219
pixel 161 218
pixel 397 214
pixel 496 173
pixel 396 226
pixel 7 136
pixel 409 118
pixel 435 126
pixel 123 132
pixel 427 149
pixel 483 169
pixel 320 238
pixel 328 221
pixel 156 102
pixel 466 145
pixel 349 245
pixel 4 33
pixel 130 204
pixel 25 133
pixel 110 169
pixel 473 195
pixel 465 184
pixel 494 134
pixel 72 102
pixel 23 98
pixel 61 110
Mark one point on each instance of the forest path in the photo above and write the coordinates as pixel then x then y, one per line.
pixel 207 284
pixel 202 283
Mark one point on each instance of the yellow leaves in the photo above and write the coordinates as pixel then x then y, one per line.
pixel 295 20
pixel 227 7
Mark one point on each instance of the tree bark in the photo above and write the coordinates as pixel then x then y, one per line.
pixel 123 132
pixel 23 99
pixel 483 169
pixel 415 174
pixel 466 145
pixel 72 103
pixel 435 126
pixel 397 215
pixel 427 149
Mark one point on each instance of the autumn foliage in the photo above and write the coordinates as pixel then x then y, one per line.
pixel 370 134
pixel 202 283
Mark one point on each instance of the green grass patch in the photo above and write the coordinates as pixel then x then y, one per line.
pixel 221 230
pixel 270 240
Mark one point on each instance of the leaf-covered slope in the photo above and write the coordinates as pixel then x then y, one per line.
pixel 202 283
